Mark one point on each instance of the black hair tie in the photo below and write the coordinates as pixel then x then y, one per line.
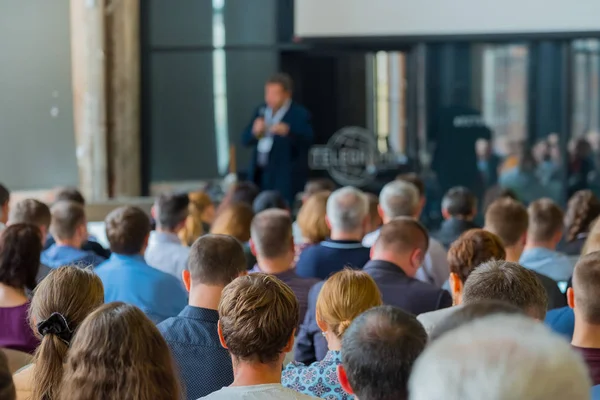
pixel 56 325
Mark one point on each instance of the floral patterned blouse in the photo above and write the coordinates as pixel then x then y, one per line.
pixel 318 379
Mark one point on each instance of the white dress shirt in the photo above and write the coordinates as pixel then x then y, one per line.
pixel 166 253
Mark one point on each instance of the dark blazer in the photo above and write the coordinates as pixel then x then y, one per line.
pixel 287 169
pixel 310 346
pixel 556 299
pixel 451 229
pixel 399 290
pixel 330 256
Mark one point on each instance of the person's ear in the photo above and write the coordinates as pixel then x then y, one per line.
pixel 372 252
pixel 380 212
pixel 445 213
pixel 558 236
pixel 290 343
pixel 571 297
pixel 320 323
pixel 252 247
pixel 187 279
pixel 343 378
pixel 456 285
pixel 524 239
pixel 221 338
pixel 153 212
pixel 328 222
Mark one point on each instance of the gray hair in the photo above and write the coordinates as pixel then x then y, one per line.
pixel 500 358
pixel 399 199
pixel 347 208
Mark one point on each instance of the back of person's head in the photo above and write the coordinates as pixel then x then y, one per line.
pixel 258 315
pixel 59 305
pixel 545 221
pixel 508 219
pixel 118 353
pixel 240 192
pixel 495 193
pixel 267 200
pixel 399 199
pixel 235 221
pixel 582 210
pixel 69 194
pixel 127 230
pixel 459 202
pixel 272 234
pixel 7 387
pixel 318 185
pixel 347 209
pixel 500 357
pixel 68 220
pixel 415 179
pixel 31 211
pixel 378 352
pixel 4 200
pixel 312 218
pixel 171 210
pixel 20 251
pixel 402 240
pixel 216 260
pixel 375 220
pixel 471 312
pixel 200 210
pixel 508 282
pixel 343 297
pixel 586 283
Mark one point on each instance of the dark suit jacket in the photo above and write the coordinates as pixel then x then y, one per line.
pixel 556 299
pixel 287 169
pixel 310 343
pixel 90 245
pixel 451 229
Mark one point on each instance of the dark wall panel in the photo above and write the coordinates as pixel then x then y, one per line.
pixel 250 22
pixel 180 22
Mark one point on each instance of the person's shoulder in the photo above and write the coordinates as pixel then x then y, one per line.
pixel 299 108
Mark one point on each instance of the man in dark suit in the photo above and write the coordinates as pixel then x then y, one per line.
pixel 280 135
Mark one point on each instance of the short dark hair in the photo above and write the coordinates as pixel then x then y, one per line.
pixel 508 219
pixel 509 282
pixel 586 283
pixel 171 210
pixel 378 352
pixel 67 216
pixel 127 229
pixel 459 202
pixel 267 200
pixel 30 211
pixel 271 233
pixel 403 234
pixel 318 185
pixel 69 194
pixel 216 260
pixel 20 251
pixel 471 312
pixel 545 220
pixel 4 195
pixel 413 178
pixel 282 79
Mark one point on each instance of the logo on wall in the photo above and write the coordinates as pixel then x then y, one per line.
pixel 351 157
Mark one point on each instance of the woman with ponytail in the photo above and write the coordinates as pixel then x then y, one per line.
pixel 60 303
pixel 582 210
pixel 343 297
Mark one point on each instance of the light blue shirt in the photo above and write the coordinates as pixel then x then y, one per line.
pixel 57 256
pixel 130 280
pixel 551 263
pixel 166 253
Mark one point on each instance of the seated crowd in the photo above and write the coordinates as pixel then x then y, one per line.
pixel 352 299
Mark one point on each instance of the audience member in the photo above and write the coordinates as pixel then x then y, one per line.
pixel 343 297
pixel 118 353
pixel 74 195
pixel 7 388
pixel 543 235
pixel 312 222
pixel 395 258
pixel 459 208
pixel 257 320
pixel 583 299
pixel 69 230
pixel 313 186
pixel 36 213
pixel 472 249
pixel 378 352
pixel 60 304
pixel 215 261
pixel 235 221
pixel 508 282
pixel 496 193
pixel 240 192
pixel 375 220
pixel 402 198
pixel 165 251
pixel 582 210
pixel 4 206
pixel 201 214
pixel 508 219
pixel 497 358
pixel 20 249
pixel 127 277
pixel 347 217
pixel 269 199
pixel 470 313
pixel 273 246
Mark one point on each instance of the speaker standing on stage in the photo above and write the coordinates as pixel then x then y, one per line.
pixel 280 134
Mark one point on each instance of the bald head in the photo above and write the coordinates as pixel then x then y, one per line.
pixel 271 233
pixel 586 284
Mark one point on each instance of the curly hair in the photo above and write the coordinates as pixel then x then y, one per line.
pixel 473 248
pixel 20 251
pixel 582 210
pixel 118 353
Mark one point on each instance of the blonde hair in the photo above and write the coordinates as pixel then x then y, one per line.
pixel 592 243
pixel 199 203
pixel 311 218
pixel 234 221
pixel 344 296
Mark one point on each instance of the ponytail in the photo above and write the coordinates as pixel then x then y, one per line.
pixel 49 359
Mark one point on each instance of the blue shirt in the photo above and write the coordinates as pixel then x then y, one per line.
pixel 561 321
pixel 130 280
pixel 57 256
pixel 318 379
pixel 204 365
pixel 551 263
pixel 331 256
